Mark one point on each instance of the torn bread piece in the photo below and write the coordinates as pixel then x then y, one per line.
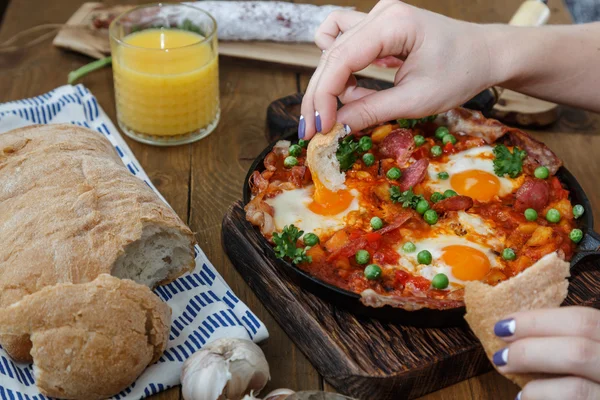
pixel 322 161
pixel 90 340
pixel 543 285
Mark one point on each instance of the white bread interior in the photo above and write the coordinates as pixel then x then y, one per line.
pixel 322 161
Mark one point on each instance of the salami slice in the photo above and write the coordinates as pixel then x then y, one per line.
pixel 538 154
pixel 414 174
pixel 534 193
pixel 399 144
pixel 400 220
pixel 455 203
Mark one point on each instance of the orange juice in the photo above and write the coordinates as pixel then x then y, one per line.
pixel 166 82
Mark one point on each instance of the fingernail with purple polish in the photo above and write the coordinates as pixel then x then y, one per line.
pixel 347 128
pixel 518 396
pixel 301 127
pixel 317 121
pixel 500 358
pixel 505 327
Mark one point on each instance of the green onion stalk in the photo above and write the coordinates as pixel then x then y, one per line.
pixel 86 69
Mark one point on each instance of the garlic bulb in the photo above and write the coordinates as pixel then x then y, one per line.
pixel 225 369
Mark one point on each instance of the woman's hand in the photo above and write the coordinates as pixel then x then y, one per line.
pixel 446 62
pixel 563 341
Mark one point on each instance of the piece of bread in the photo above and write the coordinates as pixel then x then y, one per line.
pixel 322 161
pixel 90 340
pixel 543 285
pixel 70 211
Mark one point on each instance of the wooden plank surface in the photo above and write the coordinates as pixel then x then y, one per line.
pixel 186 175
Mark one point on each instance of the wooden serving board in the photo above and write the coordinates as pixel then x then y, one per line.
pixel 361 357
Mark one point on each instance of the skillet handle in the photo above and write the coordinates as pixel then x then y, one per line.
pixel 589 246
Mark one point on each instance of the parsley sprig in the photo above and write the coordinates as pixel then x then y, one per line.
pixel 286 245
pixel 347 153
pixel 507 163
pixel 410 122
pixel 408 198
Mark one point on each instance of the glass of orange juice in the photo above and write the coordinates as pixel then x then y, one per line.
pixel 166 74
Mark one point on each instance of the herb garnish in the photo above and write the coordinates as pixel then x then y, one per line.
pixel 407 198
pixel 410 123
pixel 347 153
pixel 286 245
pixel 507 163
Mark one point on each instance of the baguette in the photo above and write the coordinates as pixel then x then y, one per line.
pixel 322 161
pixel 90 340
pixel 70 211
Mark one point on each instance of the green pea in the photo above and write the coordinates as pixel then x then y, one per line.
pixel 295 150
pixel 441 131
pixel 362 257
pixel 508 254
pixel 443 175
pixel 531 214
pixel 440 281
pixel 576 235
pixel 290 161
pixel 409 247
pixel 450 193
pixel 430 216
pixel 303 143
pixel 578 210
pixel 436 151
pixel 365 143
pixel 372 272
pixel 368 159
pixel 541 173
pixel 424 257
pixel 419 140
pixel 376 223
pixel 310 239
pixel 449 139
pixel 553 215
pixel 436 196
pixel 422 206
pixel 394 173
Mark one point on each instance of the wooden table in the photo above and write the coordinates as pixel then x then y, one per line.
pixel 202 179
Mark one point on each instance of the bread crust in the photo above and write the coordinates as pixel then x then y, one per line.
pixel 543 285
pixel 68 210
pixel 322 161
pixel 90 340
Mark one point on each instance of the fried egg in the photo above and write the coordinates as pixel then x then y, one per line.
pixel 459 258
pixel 314 211
pixel 471 174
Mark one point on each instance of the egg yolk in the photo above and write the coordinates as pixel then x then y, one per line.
pixel 467 263
pixel 326 202
pixel 477 184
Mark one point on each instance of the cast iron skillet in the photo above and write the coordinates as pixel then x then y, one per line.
pixel 588 247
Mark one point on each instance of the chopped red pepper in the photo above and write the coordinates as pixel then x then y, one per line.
pixel 449 148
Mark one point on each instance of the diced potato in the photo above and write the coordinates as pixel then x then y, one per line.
pixel 565 208
pixel 528 227
pixel 364 176
pixel 382 191
pixel 381 132
pixel 317 253
pixel 495 276
pixel 542 235
pixel 337 241
pixel 521 263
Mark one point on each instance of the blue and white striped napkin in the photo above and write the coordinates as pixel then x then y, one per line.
pixel 204 307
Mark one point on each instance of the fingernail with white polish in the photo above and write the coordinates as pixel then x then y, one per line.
pixel 301 127
pixel 347 128
pixel 505 327
pixel 518 396
pixel 500 358
pixel 318 121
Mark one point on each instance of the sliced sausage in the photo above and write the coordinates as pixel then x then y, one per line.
pixel 534 193
pixel 399 144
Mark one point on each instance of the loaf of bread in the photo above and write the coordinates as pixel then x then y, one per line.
pixel 90 340
pixel 70 211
